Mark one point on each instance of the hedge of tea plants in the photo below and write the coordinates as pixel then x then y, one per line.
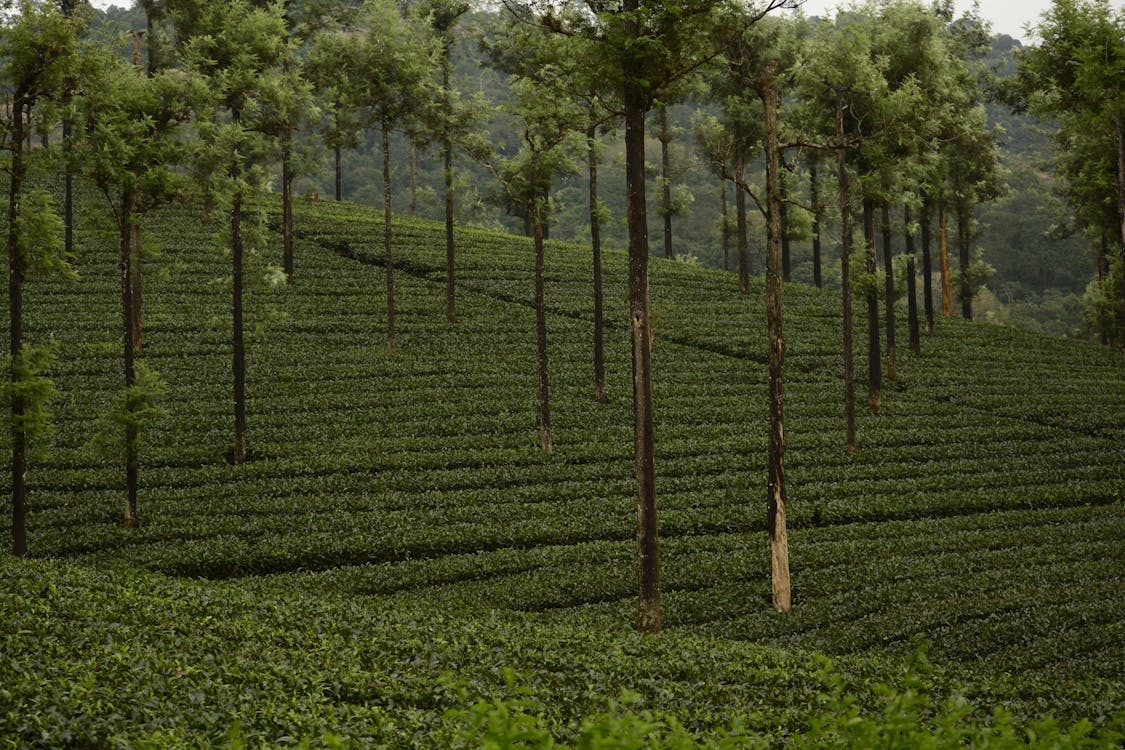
pixel 983 514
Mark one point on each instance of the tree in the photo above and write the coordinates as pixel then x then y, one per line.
pixel 237 48
pixel 37 49
pixel 1076 75
pixel 444 15
pixel 388 65
pixel 129 147
pixel 548 125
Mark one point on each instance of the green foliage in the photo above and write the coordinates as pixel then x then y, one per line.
pixel 27 384
pixel 135 409
pixel 39 230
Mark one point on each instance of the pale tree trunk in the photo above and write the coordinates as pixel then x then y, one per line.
pixel 388 250
pixel 644 441
pixel 846 276
pixel 775 501
pixel 596 246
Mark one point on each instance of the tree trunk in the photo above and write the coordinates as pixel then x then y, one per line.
pixel 648 546
pixel 888 290
pixel 927 266
pixel 596 246
pixel 943 250
pixel 388 250
pixel 137 282
pixel 287 205
pixel 846 275
pixel 874 357
pixel 545 438
pixel 450 269
pixel 238 343
pixel 783 213
pixel 17 270
pixel 775 500
pixel 725 229
pixel 814 195
pixel 911 283
pixel 128 310
pixel 964 237
pixel 339 183
pixel 413 178
pixel 666 180
pixel 742 239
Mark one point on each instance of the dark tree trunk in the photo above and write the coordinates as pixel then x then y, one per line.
pixel 17 270
pixel 339 182
pixel 927 266
pixel 775 498
pixel 911 283
pixel 742 234
pixel 666 181
pixel 238 344
pixel 68 189
pixel 964 238
pixel 596 246
pixel 387 239
pixel 128 311
pixel 413 178
pixel 136 255
pixel 874 357
pixel 943 252
pixel 545 437
pixel 648 547
pixel 846 275
pixel 888 289
pixel 783 213
pixel 287 206
pixel 725 229
pixel 450 266
pixel 814 194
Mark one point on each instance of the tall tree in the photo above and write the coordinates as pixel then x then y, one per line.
pixel 1076 76
pixel 129 147
pixel 389 64
pixel 238 48
pixel 37 50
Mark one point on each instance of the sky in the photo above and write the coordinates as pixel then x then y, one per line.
pixel 1007 16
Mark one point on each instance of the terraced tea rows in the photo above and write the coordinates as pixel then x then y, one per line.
pixel 984 511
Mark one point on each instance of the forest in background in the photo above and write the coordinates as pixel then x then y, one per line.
pixel 1040 268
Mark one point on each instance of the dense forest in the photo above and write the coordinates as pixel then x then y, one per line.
pixel 1034 261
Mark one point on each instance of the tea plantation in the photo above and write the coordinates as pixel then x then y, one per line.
pixel 398 565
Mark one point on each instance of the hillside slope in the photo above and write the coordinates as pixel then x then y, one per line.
pixel 983 513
